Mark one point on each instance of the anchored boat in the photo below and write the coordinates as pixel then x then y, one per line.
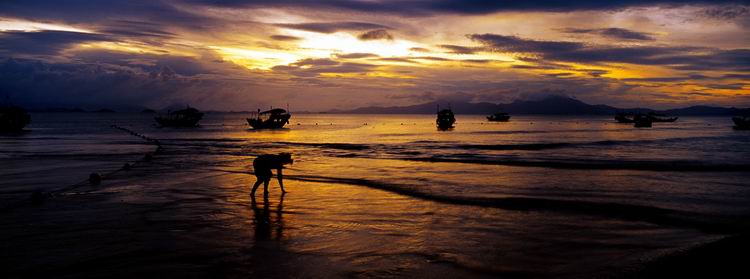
pixel 741 122
pixel 187 117
pixel 13 119
pixel 445 119
pixel 656 117
pixel 499 117
pixel 270 119
pixel 642 121
pixel 622 117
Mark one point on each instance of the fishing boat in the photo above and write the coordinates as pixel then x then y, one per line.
pixel 187 117
pixel 741 122
pixel 642 121
pixel 499 117
pixel 270 119
pixel 622 117
pixel 445 119
pixel 13 119
pixel 656 117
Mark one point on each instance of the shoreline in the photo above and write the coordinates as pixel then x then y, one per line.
pixel 182 223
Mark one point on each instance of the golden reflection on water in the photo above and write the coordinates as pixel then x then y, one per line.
pixel 373 231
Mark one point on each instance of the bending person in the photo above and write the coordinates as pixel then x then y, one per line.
pixel 263 165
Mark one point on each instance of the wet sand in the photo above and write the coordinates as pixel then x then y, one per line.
pixel 155 221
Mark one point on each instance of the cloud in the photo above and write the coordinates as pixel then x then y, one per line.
pixel 397 59
pixel 354 55
pixel 86 12
pixel 456 49
pixel 426 8
pixel 681 58
pixel 419 49
pixel 332 27
pixel 285 38
pixel 183 65
pixel 44 42
pixel 39 84
pixel 311 67
pixel 614 33
pixel 379 34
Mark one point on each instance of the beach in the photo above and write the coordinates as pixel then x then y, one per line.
pixel 369 202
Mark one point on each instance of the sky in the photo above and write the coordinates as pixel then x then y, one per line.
pixel 335 54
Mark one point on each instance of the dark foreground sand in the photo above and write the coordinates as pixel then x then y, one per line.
pixel 156 221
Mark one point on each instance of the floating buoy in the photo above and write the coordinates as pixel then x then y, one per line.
pixel 37 197
pixel 95 178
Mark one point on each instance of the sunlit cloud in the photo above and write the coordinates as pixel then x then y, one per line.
pixel 668 53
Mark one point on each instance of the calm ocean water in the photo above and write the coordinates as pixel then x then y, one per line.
pixel 690 174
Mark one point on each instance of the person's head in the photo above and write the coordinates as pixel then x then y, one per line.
pixel 286 158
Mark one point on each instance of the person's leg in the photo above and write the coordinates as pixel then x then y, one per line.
pixel 255 187
pixel 265 186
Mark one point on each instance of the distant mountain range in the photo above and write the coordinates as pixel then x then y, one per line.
pixel 549 105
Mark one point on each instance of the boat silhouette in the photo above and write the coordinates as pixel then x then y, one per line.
pixel 499 117
pixel 656 117
pixel 13 119
pixel 270 119
pixel 642 121
pixel 187 117
pixel 741 122
pixel 445 119
pixel 623 117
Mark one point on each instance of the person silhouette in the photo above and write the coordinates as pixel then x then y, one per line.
pixel 263 165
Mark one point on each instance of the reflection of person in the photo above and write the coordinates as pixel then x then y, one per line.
pixel 263 166
pixel 263 221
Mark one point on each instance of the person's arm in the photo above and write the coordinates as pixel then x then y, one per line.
pixel 281 179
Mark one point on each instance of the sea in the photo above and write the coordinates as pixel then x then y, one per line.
pixel 537 196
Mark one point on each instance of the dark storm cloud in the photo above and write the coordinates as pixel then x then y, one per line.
pixel 186 66
pixel 615 33
pixel 420 7
pixel 35 83
pixel 86 11
pixel 379 34
pixel 44 42
pixel 332 27
pixel 285 38
pixel 682 58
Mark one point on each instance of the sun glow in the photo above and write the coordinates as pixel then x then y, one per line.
pixel 256 59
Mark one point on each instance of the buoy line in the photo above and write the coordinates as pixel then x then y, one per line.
pixel 38 197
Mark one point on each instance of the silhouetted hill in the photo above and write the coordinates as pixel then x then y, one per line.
pixel 549 105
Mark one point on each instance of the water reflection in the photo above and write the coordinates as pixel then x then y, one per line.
pixel 267 228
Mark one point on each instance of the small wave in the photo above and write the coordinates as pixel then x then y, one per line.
pixel 690 166
pixel 206 139
pixel 344 146
pixel 614 210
